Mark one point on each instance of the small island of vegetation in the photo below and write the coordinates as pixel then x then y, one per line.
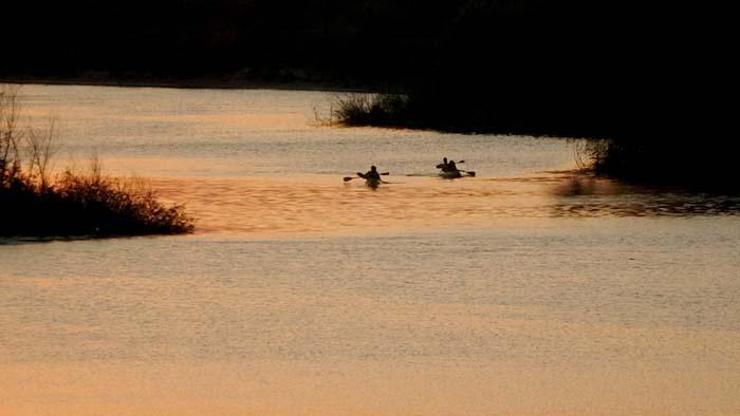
pixel 34 202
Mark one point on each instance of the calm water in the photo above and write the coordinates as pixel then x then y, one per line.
pixel 523 291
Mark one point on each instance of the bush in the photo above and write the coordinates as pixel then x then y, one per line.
pixel 706 164
pixel 370 109
pixel 33 203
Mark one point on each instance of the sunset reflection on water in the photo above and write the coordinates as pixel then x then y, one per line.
pixel 326 205
pixel 322 204
pixel 528 290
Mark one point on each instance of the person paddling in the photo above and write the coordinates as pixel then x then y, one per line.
pixel 372 174
pixel 447 166
pixel 443 165
pixel 450 170
pixel 372 177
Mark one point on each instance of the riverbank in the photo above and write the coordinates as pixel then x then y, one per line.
pixel 90 206
pixel 709 166
pixel 227 82
pixel 37 202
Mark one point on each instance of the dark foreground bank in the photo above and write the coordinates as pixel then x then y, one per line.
pixel 35 202
pixel 87 205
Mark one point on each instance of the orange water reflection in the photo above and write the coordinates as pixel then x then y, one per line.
pixel 323 204
pixel 401 386
pixel 578 317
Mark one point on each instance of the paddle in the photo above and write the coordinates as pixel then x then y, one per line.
pixel 469 172
pixel 361 175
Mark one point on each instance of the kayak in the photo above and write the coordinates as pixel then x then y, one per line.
pixel 455 174
pixel 372 183
pixel 450 175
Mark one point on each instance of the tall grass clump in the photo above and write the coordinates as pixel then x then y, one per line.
pixel 34 202
pixel 369 109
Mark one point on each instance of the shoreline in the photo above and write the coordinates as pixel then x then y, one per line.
pixel 193 83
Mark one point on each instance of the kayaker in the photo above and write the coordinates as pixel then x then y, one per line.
pixel 372 174
pixel 443 165
pixel 447 165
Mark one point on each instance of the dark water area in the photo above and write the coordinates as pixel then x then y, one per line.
pixel 589 195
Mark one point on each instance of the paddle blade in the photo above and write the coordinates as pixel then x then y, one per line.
pixel 385 173
pixel 471 173
pixel 348 178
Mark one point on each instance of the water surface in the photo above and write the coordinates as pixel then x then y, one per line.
pixel 522 291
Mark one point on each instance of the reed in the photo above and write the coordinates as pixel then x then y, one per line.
pixel 370 109
pixel 34 202
pixel 707 164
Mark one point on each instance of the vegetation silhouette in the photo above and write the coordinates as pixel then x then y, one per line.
pixel 705 164
pixel 35 203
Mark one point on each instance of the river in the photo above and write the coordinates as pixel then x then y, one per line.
pixel 525 290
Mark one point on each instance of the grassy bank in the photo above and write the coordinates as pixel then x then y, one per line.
pixel 86 205
pixel 288 79
pixel 35 202
pixel 386 110
pixel 470 113
pixel 704 164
